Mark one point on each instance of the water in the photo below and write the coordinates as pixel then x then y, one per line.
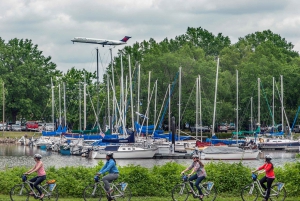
pixel 15 155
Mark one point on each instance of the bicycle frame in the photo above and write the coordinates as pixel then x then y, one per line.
pixel 273 193
pixel 32 188
pixel 112 185
pixel 205 191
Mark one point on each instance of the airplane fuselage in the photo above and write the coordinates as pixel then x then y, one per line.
pixel 97 41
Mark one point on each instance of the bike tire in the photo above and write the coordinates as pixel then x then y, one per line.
pixel 52 194
pixel 281 194
pixel 124 196
pixel 92 192
pixel 180 192
pixel 210 194
pixel 249 193
pixel 19 193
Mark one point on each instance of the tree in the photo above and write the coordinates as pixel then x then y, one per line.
pixel 26 73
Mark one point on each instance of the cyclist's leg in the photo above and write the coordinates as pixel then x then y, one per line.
pixel 107 179
pixel 269 184
pixel 198 181
pixel 37 182
pixel 32 181
pixel 191 178
pixel 262 181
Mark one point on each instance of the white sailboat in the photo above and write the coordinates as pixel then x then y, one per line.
pixel 225 152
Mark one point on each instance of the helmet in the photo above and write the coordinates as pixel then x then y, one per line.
pixel 195 156
pixel 109 153
pixel 268 157
pixel 38 156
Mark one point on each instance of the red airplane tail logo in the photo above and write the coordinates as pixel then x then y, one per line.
pixel 125 39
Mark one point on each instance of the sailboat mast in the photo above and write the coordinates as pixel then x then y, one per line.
pixel 97 86
pixel 65 108
pixel 84 103
pixel 169 126
pixel 113 83
pixel 148 101
pixel 200 108
pixel 196 124
pixel 108 101
pixel 215 100
pixel 155 102
pixel 251 118
pixel 282 109
pixel 3 105
pixel 237 106
pixel 179 104
pixel 59 101
pixel 138 93
pixel 131 99
pixel 79 86
pixel 258 103
pixel 52 93
pixel 273 104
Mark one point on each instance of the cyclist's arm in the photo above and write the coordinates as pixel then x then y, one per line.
pixel 35 168
pixel 108 165
pixel 188 168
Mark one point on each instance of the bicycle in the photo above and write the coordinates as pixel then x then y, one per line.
pixel 251 191
pixel 20 192
pixel 95 192
pixel 182 191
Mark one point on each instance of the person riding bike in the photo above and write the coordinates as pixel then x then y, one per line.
pixel 111 168
pixel 41 174
pixel 198 167
pixel 268 168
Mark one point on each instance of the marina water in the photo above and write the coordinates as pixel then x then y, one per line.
pixel 16 155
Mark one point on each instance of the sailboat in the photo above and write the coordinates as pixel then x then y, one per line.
pixel 225 152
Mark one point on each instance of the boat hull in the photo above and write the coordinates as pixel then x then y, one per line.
pixel 101 154
pixel 246 155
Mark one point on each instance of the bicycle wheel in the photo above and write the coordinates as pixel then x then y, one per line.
pixel 210 194
pixel 92 193
pixel 125 194
pixel 249 193
pixel 51 194
pixel 19 193
pixel 180 192
pixel 276 195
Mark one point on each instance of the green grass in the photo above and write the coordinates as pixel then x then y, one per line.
pixel 219 198
pixel 18 134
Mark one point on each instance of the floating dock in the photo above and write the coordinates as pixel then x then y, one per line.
pixel 172 156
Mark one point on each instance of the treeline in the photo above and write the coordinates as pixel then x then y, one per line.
pixel 157 181
pixel 26 74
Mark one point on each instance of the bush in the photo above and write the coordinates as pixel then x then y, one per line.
pixel 157 181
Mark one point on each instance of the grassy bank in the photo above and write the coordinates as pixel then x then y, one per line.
pixel 19 134
pixel 147 198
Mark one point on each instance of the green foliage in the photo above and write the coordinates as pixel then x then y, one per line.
pixel 157 181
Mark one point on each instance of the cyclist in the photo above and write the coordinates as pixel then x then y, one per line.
pixel 268 168
pixel 111 168
pixel 198 167
pixel 41 174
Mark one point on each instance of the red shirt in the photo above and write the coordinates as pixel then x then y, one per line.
pixel 268 167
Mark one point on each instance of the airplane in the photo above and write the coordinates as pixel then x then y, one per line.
pixel 101 41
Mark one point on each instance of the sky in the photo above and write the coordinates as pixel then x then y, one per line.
pixel 51 24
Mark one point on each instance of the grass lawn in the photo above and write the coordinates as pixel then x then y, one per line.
pixel 219 198
pixel 19 134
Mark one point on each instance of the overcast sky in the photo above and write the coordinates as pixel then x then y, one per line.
pixel 51 24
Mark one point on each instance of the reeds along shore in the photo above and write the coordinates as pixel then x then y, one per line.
pixel 8 140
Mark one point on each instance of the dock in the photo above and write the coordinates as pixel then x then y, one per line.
pixel 172 156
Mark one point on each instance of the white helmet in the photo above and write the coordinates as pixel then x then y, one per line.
pixel 268 157
pixel 38 156
pixel 195 156
pixel 109 153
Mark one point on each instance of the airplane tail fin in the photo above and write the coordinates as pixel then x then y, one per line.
pixel 125 39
